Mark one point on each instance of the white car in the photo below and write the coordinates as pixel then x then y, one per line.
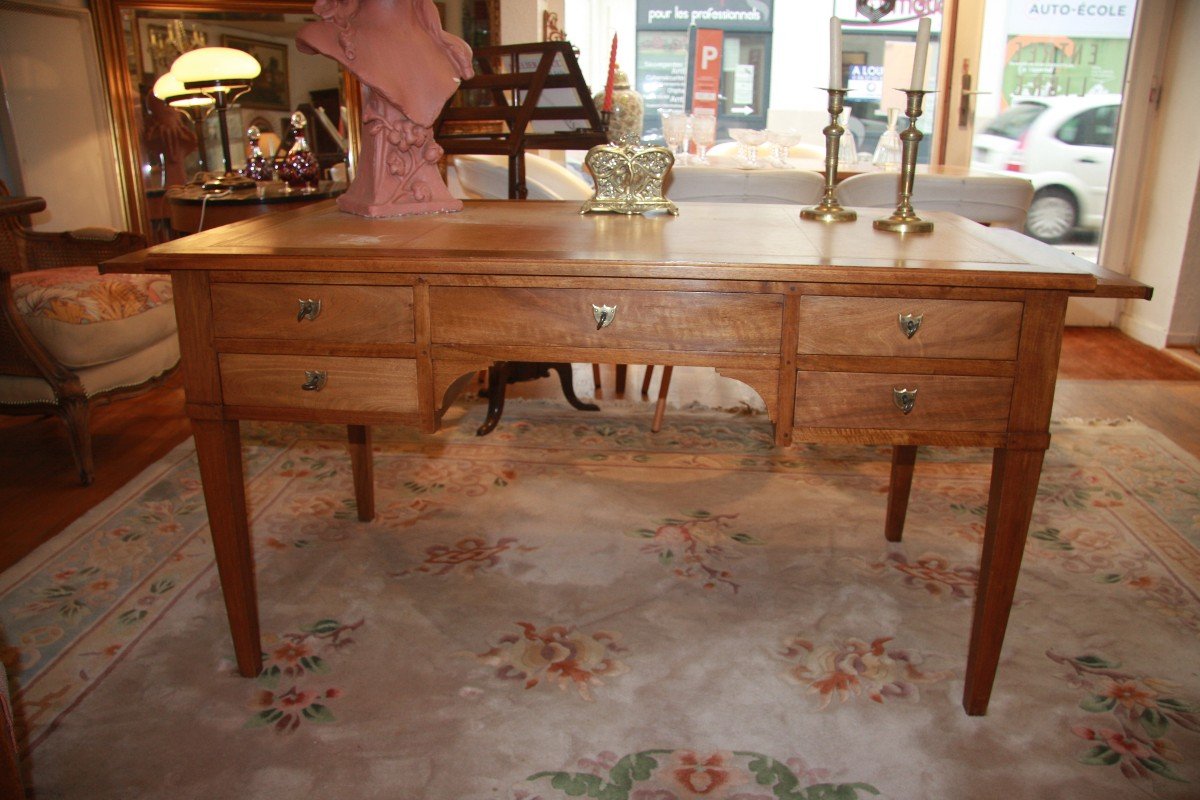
pixel 1064 145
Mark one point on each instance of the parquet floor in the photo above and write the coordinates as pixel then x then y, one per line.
pixel 1103 374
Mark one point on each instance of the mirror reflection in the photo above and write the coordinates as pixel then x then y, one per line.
pixel 182 146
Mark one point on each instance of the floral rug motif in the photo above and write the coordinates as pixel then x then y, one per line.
pixel 528 606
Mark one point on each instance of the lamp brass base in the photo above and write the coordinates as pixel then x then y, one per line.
pixel 229 180
pixel 829 213
pixel 897 223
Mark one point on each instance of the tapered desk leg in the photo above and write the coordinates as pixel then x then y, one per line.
pixel 1015 475
pixel 904 458
pixel 219 451
pixel 362 467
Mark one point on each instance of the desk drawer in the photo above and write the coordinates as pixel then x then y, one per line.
pixel 871 326
pixel 346 314
pixel 717 321
pixel 869 400
pixel 349 384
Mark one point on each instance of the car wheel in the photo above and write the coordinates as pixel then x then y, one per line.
pixel 1052 215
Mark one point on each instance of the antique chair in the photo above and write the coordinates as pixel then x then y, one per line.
pixel 697 184
pixel 484 177
pixel 998 200
pixel 69 336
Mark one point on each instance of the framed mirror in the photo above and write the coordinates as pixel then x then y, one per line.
pixel 156 147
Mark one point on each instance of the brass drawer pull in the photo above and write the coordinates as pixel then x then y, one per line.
pixel 904 399
pixel 309 309
pixel 314 380
pixel 910 323
pixel 604 315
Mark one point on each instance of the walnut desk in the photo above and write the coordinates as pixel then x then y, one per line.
pixel 849 334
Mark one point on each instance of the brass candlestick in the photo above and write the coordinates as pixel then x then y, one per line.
pixel 829 209
pixel 904 219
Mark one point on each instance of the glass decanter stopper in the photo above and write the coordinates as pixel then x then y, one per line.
pixel 258 167
pixel 888 151
pixel 300 169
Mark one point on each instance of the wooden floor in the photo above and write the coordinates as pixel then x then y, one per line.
pixel 1104 374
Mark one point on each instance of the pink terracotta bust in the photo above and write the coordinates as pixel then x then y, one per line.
pixel 409 67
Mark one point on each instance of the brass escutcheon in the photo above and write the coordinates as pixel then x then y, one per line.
pixel 604 315
pixel 314 380
pixel 904 399
pixel 309 309
pixel 910 324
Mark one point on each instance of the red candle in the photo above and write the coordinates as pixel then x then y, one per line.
pixel 612 74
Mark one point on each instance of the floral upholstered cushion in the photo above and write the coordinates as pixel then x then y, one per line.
pixel 81 295
pixel 86 319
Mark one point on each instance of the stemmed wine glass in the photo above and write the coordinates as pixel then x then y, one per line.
pixel 749 140
pixel 704 134
pixel 675 133
pixel 781 143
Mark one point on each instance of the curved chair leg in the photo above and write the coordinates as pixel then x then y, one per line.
pixel 74 412
pixel 660 407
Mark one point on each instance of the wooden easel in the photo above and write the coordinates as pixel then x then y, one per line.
pixel 504 109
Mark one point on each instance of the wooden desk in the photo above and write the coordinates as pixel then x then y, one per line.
pixel 812 316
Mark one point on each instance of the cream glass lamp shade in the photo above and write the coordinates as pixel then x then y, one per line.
pixel 171 91
pixel 223 74
pixel 215 69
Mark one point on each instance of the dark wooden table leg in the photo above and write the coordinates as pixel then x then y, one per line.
pixel 219 451
pixel 660 406
pixel 1015 475
pixel 566 379
pixel 904 458
pixel 362 467
pixel 497 383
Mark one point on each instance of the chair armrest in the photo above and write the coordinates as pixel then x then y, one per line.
pixel 85 247
pixel 20 206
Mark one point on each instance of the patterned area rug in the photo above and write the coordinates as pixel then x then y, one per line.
pixel 575 607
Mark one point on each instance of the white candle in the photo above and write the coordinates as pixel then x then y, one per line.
pixel 921 55
pixel 835 53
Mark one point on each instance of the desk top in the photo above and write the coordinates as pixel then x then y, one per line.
pixel 705 242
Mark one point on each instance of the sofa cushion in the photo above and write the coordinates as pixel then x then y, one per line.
pixel 84 318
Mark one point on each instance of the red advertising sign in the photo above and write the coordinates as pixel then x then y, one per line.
pixel 706 68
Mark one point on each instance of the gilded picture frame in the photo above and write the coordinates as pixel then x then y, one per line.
pixel 270 88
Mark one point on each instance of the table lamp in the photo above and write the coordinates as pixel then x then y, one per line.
pixel 193 105
pixel 223 74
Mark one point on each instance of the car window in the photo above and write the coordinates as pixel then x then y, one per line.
pixel 1096 127
pixel 1015 121
pixel 1104 130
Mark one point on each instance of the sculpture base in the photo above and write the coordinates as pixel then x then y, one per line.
pixel 826 213
pixel 903 223
pixel 363 209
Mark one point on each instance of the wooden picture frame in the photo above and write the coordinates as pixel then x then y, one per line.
pixel 270 88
